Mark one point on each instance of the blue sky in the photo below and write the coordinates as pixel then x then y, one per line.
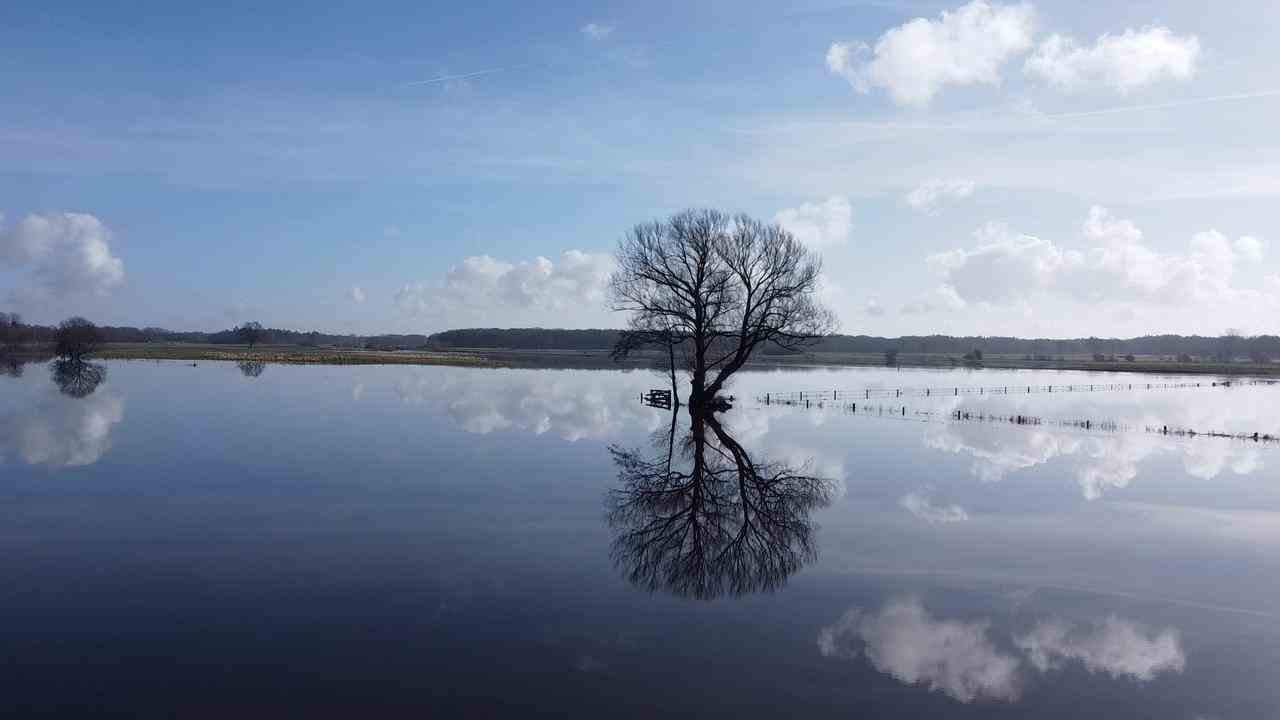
pixel 1043 168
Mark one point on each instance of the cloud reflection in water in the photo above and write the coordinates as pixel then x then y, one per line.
pixel 960 659
pixel 59 431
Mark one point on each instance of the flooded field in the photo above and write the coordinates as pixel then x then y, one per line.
pixel 214 539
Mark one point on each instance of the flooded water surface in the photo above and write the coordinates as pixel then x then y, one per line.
pixel 413 541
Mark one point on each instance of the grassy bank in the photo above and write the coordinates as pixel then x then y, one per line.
pixel 600 359
pixel 288 354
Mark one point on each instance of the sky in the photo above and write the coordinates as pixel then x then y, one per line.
pixel 1040 168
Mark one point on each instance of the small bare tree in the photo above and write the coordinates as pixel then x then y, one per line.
pixel 1229 344
pixel 711 289
pixel 10 329
pixel 76 338
pixel 251 333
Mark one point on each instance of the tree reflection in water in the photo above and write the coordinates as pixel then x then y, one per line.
pixel 705 519
pixel 78 378
pixel 251 368
pixel 11 366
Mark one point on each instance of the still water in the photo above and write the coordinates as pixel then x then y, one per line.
pixel 211 540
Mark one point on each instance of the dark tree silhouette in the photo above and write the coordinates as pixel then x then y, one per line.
pixel 251 333
pixel 1229 344
pixel 713 289
pixel 10 329
pixel 76 338
pixel 251 368
pixel 78 378
pixel 705 519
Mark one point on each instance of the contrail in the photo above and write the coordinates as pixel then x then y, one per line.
pixel 1165 106
pixel 446 78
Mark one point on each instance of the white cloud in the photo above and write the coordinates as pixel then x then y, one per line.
pixel 65 254
pixel 1250 248
pixel 1004 268
pixel 819 225
pixel 1120 62
pixel 873 308
pixel 940 299
pixel 597 31
pixel 927 196
pixel 357 295
pixel 1116 647
pixel 949 656
pixel 915 60
pixel 534 291
pixel 1007 268
pixel 919 504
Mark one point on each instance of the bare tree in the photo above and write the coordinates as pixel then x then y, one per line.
pixel 76 338
pixel 10 329
pixel 712 289
pixel 251 333
pixel 1229 344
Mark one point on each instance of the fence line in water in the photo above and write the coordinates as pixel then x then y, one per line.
pixel 794 397
pixel 902 412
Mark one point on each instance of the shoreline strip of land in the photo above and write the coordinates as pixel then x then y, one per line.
pixel 602 359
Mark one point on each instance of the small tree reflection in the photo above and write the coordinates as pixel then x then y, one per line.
pixel 11 366
pixel 78 378
pixel 251 368
pixel 705 519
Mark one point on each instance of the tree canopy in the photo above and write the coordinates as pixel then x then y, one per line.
pixel 716 288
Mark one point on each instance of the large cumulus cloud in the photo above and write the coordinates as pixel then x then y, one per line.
pixel 60 255
pixel 564 293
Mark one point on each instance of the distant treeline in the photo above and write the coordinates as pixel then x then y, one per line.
pixel 527 339
pixel 1171 345
pixel 15 332
pixel 1258 347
